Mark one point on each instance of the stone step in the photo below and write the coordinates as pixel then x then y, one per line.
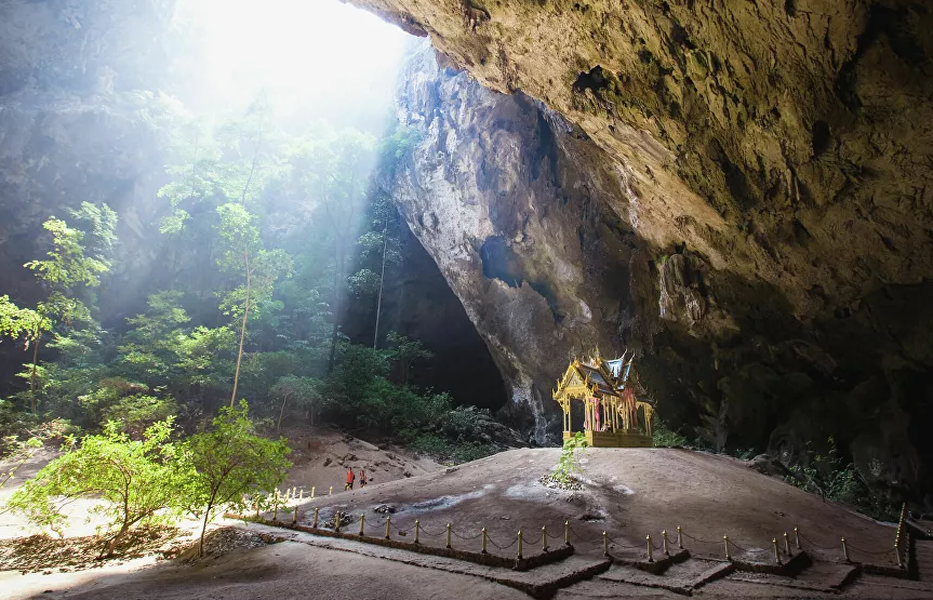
pixel 818 577
pixel 681 578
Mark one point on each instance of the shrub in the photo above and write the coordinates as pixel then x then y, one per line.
pixel 664 437
pixel 229 462
pixel 568 467
pixel 138 480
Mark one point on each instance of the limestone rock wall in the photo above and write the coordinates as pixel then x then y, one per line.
pixel 555 240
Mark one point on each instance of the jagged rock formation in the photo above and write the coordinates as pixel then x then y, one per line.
pixel 771 160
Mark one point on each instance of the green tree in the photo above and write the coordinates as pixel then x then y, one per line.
pixel 76 261
pixel 403 353
pixel 245 256
pixel 302 391
pixel 229 462
pixel 568 467
pixel 137 480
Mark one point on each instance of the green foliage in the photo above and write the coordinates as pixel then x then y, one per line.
pixel 664 437
pixel 16 322
pixel 138 480
pixel 568 469
pixel 302 392
pixel 447 450
pixel 16 449
pixel 830 476
pixel 230 462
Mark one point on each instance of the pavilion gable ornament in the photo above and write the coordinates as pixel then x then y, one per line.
pixel 614 406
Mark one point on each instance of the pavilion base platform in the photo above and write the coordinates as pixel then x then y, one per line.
pixel 633 438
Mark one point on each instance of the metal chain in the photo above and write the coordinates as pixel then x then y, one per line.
pixel 465 537
pixel 493 542
pixel 815 545
pixel 578 536
pixel 874 553
pixel 698 540
pixel 424 531
pixel 621 545
pixel 533 542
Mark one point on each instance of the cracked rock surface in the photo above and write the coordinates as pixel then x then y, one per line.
pixel 766 170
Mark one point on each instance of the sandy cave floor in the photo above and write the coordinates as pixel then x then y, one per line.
pixel 629 493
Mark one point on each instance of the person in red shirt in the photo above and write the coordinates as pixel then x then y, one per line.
pixel 350 478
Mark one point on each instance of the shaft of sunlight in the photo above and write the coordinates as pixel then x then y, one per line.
pixel 312 57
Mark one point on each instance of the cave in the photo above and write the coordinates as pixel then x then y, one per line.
pixel 746 208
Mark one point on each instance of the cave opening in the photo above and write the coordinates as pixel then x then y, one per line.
pixel 279 113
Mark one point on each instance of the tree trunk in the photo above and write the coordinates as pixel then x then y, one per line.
pixel 278 425
pixel 207 514
pixel 385 246
pixel 239 356
pixel 338 264
pixel 35 371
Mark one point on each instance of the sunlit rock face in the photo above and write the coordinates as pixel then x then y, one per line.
pixel 511 203
pixel 781 149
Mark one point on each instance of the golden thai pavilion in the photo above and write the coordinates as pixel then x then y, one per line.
pixel 613 416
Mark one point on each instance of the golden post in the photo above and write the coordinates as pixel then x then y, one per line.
pixel 331 492
pixel 650 549
pixel 567 532
pixel 519 543
pixel 667 551
pixel 897 556
pixel 388 528
pixel 448 535
pixel 725 540
pixel 787 544
pixel 484 540
pixel 301 495
pixel 316 511
pixel 544 538
pixel 312 492
pixel 605 543
pixel 417 531
pixel 680 538
pixel 845 550
pixel 362 523
pixel 777 553
pixel 797 538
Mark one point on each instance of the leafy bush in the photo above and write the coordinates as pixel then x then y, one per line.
pixel 828 475
pixel 568 467
pixel 663 437
pixel 138 480
pixel 229 462
pixel 446 450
